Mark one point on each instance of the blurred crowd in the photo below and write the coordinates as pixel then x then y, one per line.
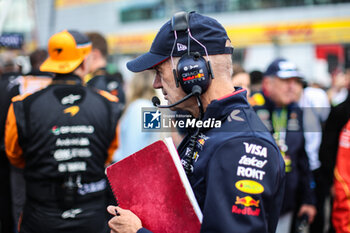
pixel 281 101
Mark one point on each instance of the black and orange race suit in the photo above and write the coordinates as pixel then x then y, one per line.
pixel 63 136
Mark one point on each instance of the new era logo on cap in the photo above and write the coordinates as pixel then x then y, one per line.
pixel 181 47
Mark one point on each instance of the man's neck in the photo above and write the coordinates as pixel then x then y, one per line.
pixel 80 73
pixel 215 91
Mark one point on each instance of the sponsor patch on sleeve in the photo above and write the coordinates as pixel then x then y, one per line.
pixel 249 186
pixel 246 206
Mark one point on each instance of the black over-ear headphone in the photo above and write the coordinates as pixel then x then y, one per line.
pixel 192 69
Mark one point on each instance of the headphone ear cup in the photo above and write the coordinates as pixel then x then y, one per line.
pixel 192 70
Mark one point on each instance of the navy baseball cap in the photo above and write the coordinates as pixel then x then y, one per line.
pixel 283 69
pixel 206 30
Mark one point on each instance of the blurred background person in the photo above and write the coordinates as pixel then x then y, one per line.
pixel 240 78
pixel 341 203
pixel 9 68
pixel 337 119
pixel 256 78
pixel 36 58
pixel 23 84
pixel 35 79
pixel 12 193
pixel 62 137
pixel 140 93
pixel 98 76
pixel 257 98
pixel 315 105
pixel 338 92
pixel 284 119
pixel 6 217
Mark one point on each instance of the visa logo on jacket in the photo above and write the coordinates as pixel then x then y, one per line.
pixel 255 149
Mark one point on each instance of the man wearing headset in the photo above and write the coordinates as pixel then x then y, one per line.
pixel 238 173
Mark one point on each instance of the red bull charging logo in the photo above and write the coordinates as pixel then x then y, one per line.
pixel 247 202
pixel 192 77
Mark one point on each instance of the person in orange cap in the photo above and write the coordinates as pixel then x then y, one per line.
pixel 63 136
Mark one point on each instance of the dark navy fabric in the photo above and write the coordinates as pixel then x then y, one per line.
pixel 299 179
pixel 238 177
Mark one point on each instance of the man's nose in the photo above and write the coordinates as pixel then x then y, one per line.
pixel 157 83
pixel 292 83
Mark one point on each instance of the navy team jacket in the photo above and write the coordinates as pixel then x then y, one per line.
pixel 238 176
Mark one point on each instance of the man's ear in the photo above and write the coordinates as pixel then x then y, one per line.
pixel 86 64
pixel 84 68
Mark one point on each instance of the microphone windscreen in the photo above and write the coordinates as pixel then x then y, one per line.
pixel 155 101
pixel 196 90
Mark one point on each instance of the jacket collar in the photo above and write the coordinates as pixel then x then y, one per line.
pixel 223 106
pixel 70 79
pixel 39 73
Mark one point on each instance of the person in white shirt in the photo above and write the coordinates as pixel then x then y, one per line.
pixel 316 107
